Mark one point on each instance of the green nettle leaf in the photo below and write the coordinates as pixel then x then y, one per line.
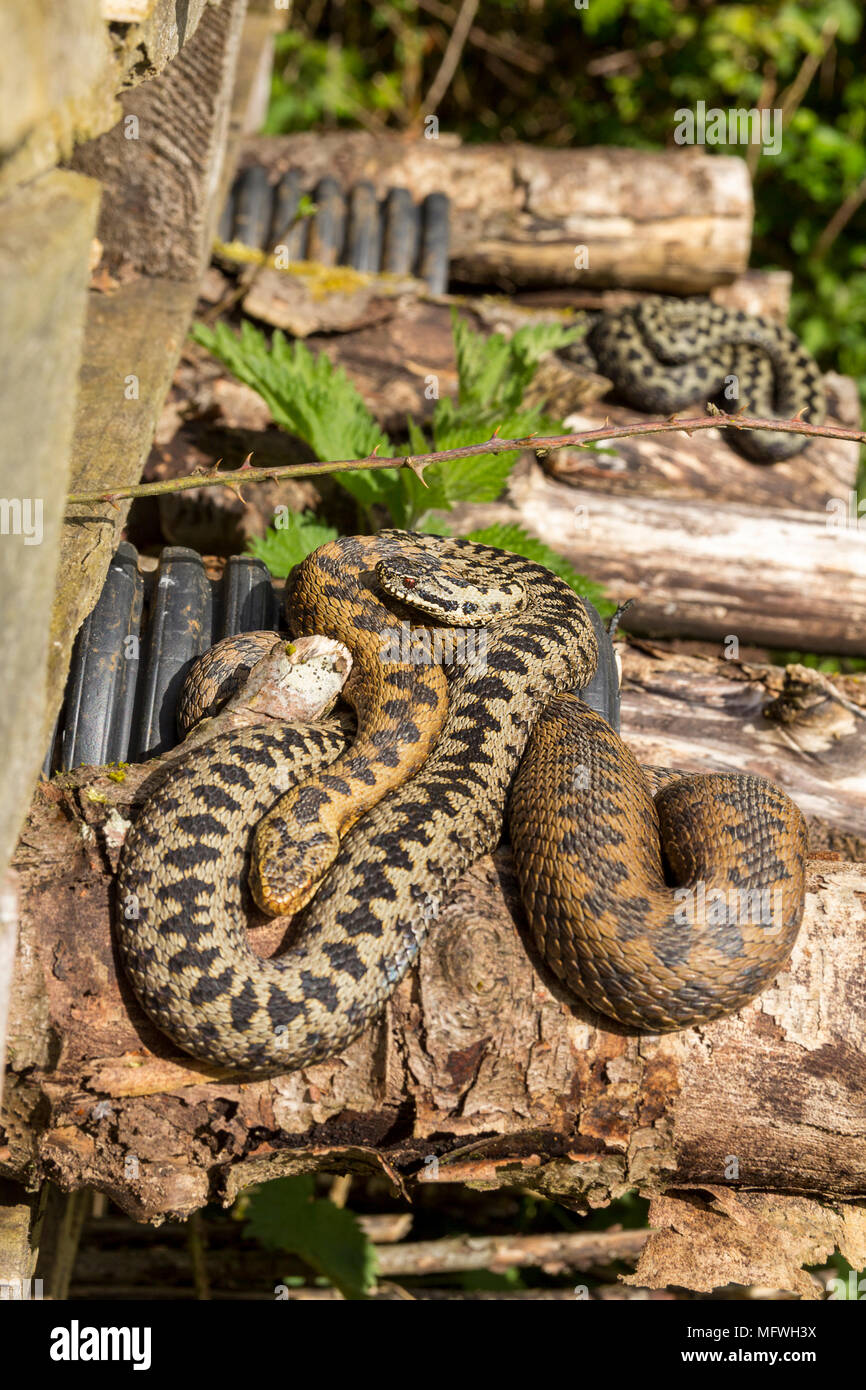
pixel 494 375
pixel 306 393
pixel 495 372
pixel 284 1215
pixel 284 546
pixel 380 487
pixel 480 478
pixel 420 498
pixel 314 400
pixel 510 536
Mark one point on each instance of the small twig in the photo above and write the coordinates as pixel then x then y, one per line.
pixel 616 617
pixel 76 1209
pixel 766 97
pixel 498 45
pixel 416 462
pixel 198 1257
pixel 810 676
pixel 567 1250
pixel 840 219
pixel 456 43
pixel 792 97
pixel 340 1188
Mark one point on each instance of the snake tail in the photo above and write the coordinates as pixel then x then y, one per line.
pixel 660 912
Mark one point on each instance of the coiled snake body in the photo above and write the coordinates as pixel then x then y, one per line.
pixel 597 856
pixel 665 354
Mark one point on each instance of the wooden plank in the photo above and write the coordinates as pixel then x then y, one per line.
pixel 21 1217
pixel 45 243
pixel 133 339
pixel 135 332
pixel 158 212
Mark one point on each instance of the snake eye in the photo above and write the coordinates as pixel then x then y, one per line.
pixel 408 583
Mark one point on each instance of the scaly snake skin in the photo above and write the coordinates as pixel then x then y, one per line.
pixel 665 354
pixel 585 829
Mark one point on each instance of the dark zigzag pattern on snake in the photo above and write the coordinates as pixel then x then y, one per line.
pixel 664 354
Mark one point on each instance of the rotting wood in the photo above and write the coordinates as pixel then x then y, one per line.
pixel 722 1236
pixel 702 713
pixel 478 1041
pixel 820 479
pixel 8 944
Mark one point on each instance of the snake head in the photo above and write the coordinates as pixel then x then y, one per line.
pixel 286 867
pixel 448 592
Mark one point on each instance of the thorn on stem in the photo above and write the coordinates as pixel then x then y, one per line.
pixel 417 466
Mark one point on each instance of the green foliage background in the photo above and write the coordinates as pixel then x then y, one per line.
pixel 614 72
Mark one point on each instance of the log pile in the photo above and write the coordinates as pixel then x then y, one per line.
pixel 675 220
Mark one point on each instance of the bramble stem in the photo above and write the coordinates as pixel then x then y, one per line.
pixel 237 477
